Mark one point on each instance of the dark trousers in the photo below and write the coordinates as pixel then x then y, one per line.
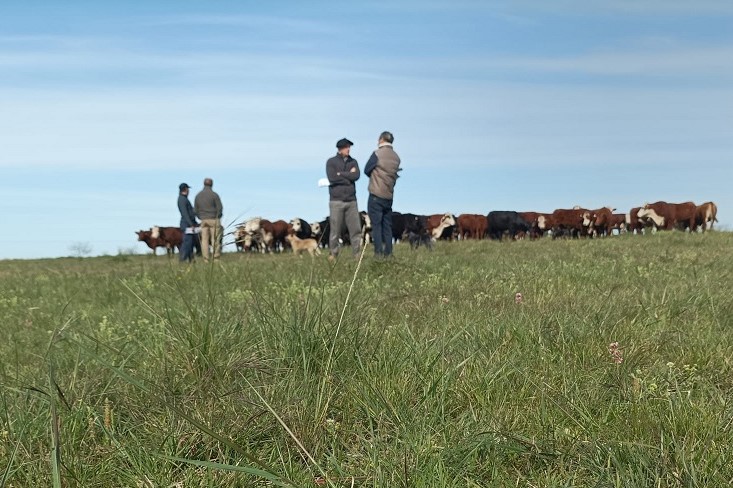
pixel 380 213
pixel 187 246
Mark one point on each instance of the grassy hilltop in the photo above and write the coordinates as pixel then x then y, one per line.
pixel 132 371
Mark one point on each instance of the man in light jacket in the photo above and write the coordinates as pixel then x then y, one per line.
pixel 382 169
pixel 209 209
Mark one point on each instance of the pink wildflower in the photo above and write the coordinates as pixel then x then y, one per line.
pixel 616 353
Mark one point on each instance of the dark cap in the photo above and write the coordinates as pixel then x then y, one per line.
pixel 183 186
pixel 344 143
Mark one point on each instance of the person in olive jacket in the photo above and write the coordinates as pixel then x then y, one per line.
pixel 343 171
pixel 382 169
pixel 207 206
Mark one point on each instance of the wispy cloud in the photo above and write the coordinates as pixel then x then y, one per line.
pixel 653 58
pixel 242 20
pixel 227 66
pixel 683 61
pixel 635 7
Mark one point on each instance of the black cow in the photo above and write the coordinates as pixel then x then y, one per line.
pixel 501 222
pixel 420 239
pixel 323 234
pixel 416 229
pixel 398 226
pixel 301 228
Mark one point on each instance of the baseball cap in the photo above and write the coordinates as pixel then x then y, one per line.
pixel 344 143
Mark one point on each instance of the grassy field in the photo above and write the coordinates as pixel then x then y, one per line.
pixel 130 371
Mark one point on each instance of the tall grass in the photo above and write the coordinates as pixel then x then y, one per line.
pixel 422 371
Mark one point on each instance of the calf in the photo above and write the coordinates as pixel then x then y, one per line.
pixel 416 230
pixel 420 239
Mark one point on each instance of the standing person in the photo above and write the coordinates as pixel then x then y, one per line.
pixel 342 171
pixel 382 169
pixel 208 208
pixel 188 223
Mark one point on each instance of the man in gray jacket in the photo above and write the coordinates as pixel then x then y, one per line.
pixel 343 171
pixel 382 169
pixel 208 208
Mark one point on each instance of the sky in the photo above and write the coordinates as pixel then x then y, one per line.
pixel 105 107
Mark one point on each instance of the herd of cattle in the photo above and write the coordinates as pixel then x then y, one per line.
pixel 262 235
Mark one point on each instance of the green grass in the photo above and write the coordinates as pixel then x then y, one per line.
pixel 134 371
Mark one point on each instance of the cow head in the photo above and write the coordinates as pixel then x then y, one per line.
pixel 648 214
pixel 253 225
pixel 297 225
pixel 315 228
pixel 142 235
pixel 447 220
pixel 542 222
pixel 240 233
pixel 588 219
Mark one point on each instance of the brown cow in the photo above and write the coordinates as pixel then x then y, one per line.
pixel 153 243
pixel 633 224
pixel 472 226
pixel 707 212
pixel 670 215
pixel 172 236
pixel 574 222
pixel 618 222
pixel 530 217
pixel 441 226
pixel 538 223
pixel 256 233
pixel 603 221
pixel 280 230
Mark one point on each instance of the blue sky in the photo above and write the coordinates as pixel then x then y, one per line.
pixel 105 107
